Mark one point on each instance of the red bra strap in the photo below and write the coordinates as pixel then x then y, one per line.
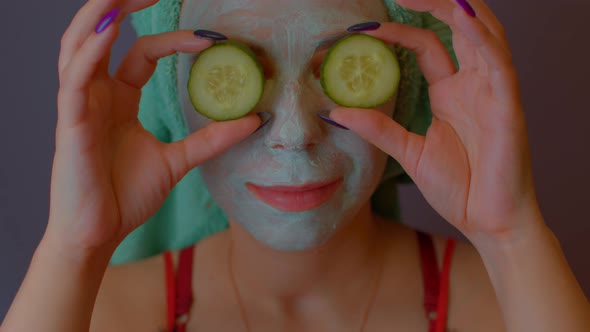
pixel 184 292
pixel 443 301
pixel 170 290
pixel 430 277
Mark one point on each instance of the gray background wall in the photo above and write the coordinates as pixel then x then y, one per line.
pixel 551 50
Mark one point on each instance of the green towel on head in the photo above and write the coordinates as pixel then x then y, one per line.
pixel 189 214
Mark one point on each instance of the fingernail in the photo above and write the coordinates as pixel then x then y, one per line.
pixel 107 20
pixel 325 115
pixel 210 35
pixel 367 26
pixel 264 118
pixel 467 7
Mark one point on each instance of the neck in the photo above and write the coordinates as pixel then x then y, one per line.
pixel 349 256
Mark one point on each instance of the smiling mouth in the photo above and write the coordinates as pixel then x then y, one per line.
pixel 296 198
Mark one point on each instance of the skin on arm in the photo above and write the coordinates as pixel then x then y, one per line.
pixel 132 297
pixel 473 305
pixel 478 132
pixel 95 183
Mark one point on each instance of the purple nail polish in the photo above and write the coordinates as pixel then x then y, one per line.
pixel 209 35
pixel 467 7
pixel 265 118
pixel 107 20
pixel 325 115
pixel 367 26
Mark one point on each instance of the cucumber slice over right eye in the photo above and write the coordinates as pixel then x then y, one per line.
pixel 226 81
pixel 360 71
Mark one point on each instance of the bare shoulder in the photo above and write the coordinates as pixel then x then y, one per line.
pixel 473 305
pixel 132 297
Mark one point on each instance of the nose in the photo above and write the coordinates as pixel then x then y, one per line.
pixel 295 125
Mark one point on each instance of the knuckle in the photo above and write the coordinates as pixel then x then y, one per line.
pixel 431 37
pixel 64 77
pixel 65 93
pixel 146 41
pixel 178 161
pixel 208 140
pixel 142 46
pixel 142 41
pixel 65 38
pixel 382 129
pixel 425 41
pixel 184 153
pixel 67 83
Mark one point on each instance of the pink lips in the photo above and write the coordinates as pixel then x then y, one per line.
pixel 296 198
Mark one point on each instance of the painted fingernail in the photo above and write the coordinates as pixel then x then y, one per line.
pixel 467 7
pixel 107 20
pixel 264 118
pixel 367 26
pixel 325 115
pixel 210 35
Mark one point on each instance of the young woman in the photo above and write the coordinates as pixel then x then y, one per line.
pixel 305 251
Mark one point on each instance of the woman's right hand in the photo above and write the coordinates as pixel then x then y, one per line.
pixel 110 174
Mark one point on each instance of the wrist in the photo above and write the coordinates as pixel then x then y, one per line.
pixel 515 230
pixel 531 277
pixel 57 245
pixel 516 244
pixel 60 288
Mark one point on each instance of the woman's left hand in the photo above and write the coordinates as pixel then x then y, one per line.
pixel 473 165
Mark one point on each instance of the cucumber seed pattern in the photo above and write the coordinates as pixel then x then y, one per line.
pixel 226 84
pixel 359 72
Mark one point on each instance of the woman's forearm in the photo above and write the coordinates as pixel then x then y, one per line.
pixel 59 290
pixel 535 286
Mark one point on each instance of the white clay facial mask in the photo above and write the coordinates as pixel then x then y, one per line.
pixel 293 184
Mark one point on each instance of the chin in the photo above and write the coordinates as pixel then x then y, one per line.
pixel 298 236
pixel 297 231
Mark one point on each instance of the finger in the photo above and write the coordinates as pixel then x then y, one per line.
pixel 140 62
pixel 495 58
pixel 443 10
pixel 434 60
pixel 485 14
pixel 86 19
pixel 78 75
pixel 383 132
pixel 491 50
pixel 207 143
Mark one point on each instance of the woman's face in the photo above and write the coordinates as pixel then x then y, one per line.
pixel 296 148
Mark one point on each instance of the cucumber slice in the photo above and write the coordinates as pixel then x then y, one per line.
pixel 360 71
pixel 226 81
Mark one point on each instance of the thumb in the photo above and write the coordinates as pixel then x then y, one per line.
pixel 207 143
pixel 383 132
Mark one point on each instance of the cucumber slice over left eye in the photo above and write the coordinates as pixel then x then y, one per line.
pixel 226 81
pixel 360 71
